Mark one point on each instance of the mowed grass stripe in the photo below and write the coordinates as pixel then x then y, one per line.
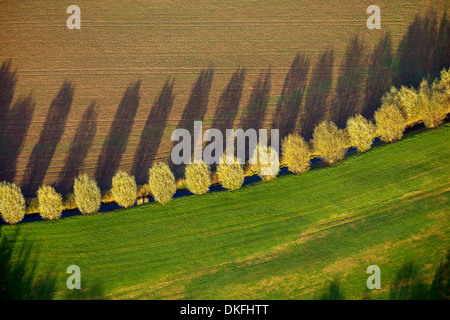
pixel 289 230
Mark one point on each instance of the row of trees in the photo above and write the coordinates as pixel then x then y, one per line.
pixel 400 108
pixel 124 190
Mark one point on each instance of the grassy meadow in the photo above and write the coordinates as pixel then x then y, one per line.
pixel 310 236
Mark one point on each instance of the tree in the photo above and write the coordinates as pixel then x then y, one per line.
pixel 296 153
pixel 405 100
pixel 230 173
pixel 348 95
pixel 198 177
pixel 12 203
pixel 329 142
pixel 444 84
pixel 360 132
pixel 265 162
pixel 87 194
pixel 431 105
pixel 390 123
pixel 162 182
pixel 124 189
pixel 443 88
pixel 50 203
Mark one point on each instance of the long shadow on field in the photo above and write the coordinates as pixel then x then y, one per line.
pixel 316 101
pixel 195 110
pixel 79 148
pixel 152 133
pixel 228 105
pixel 379 76
pixel 17 124
pixel 424 50
pixel 288 108
pixel 333 292
pixel 442 51
pixel 116 142
pixel 255 111
pixel 440 287
pixel 7 85
pixel 17 277
pixel 349 88
pixel 409 285
pixel 49 138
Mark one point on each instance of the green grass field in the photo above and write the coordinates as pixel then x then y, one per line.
pixel 297 237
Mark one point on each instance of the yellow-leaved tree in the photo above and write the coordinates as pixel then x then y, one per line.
pixel 360 132
pixel 198 177
pixel 162 182
pixel 50 203
pixel 296 153
pixel 87 194
pixel 265 162
pixel 12 203
pixel 230 173
pixel 390 123
pixel 124 189
pixel 329 142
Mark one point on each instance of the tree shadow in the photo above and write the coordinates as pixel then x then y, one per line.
pixel 17 124
pixel 255 111
pixel 49 138
pixel 152 133
pixel 7 86
pixel 379 77
pixel 288 107
pixel 333 292
pixel 409 284
pixel 228 106
pixel 79 148
pixel 195 110
pixel 424 49
pixel 349 88
pixel 440 287
pixel 316 101
pixel 116 142
pixel 442 51
pixel 17 277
